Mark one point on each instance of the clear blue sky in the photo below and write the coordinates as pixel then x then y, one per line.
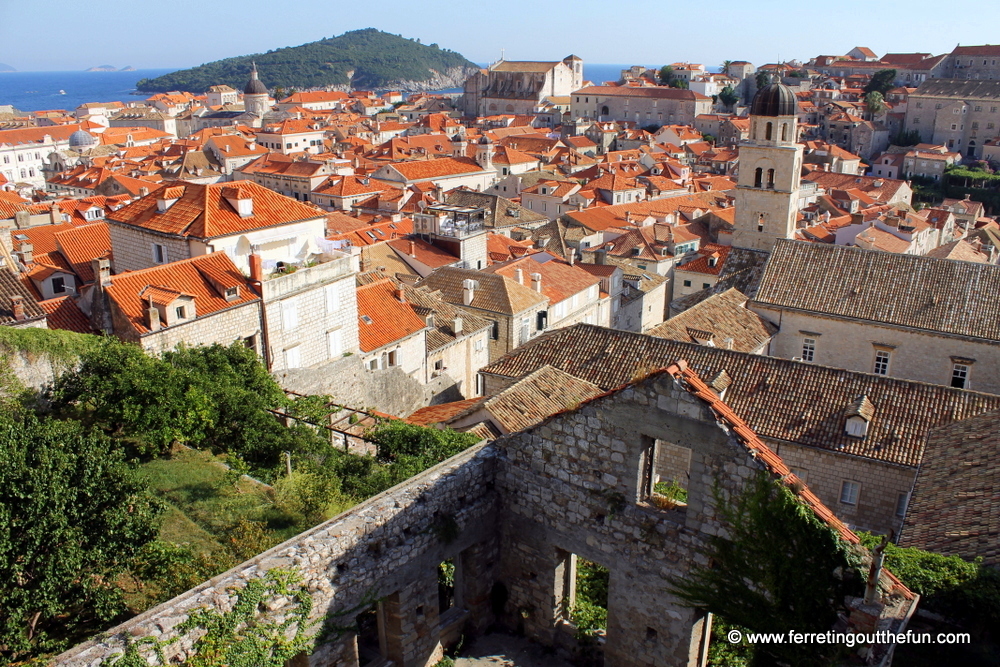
pixel 64 35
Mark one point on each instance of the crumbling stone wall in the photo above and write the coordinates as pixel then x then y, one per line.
pixel 573 485
pixel 387 548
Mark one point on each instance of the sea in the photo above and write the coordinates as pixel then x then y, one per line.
pixel 37 91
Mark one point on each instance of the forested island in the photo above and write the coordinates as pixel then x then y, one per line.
pixel 360 59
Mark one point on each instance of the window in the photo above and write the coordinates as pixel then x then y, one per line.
pixel 289 315
pixel 849 492
pixel 58 285
pixel 480 344
pixel 770 179
pixel 392 358
pixel 808 349
pixel 705 285
pixel 960 376
pixel 232 293
pixel 902 500
pixel 159 254
pixel 332 298
pixel 373 364
pixel 180 312
pixel 758 177
pixel 801 473
pixel 687 283
pixel 881 362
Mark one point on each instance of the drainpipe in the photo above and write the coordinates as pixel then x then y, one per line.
pixel 257 280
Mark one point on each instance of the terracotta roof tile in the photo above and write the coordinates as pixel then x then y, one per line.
pixel 389 319
pixel 63 313
pixel 724 317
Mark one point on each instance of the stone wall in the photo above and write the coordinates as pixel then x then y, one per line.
pixel 387 548
pixel 132 247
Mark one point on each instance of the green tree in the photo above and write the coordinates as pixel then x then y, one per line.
pixel 779 567
pixel 728 97
pixel 666 75
pixel 882 81
pixel 763 78
pixel 875 103
pixel 726 65
pixel 73 515
pixel 906 138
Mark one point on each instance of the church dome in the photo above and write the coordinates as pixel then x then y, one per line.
pixel 774 99
pixel 254 86
pixel 81 139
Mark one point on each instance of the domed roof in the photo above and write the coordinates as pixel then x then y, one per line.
pixel 254 86
pixel 81 139
pixel 775 99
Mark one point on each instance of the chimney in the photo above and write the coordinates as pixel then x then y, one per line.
pixel 429 319
pixel 571 252
pixel 101 266
pixel 456 326
pixel 601 256
pixel 398 292
pixel 536 282
pixel 55 215
pixel 413 248
pixel 468 291
pixel 143 191
pixel 17 305
pixel 152 317
pixel 22 219
pixel 967 197
pixel 519 276
pixel 256 268
pixel 27 253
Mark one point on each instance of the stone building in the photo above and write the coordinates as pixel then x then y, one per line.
pixel 517 87
pixel 520 513
pixel 974 62
pixel 658 105
pixel 390 333
pixel 861 462
pixel 896 315
pixel 959 114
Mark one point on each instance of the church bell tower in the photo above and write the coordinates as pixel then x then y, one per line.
pixel 767 192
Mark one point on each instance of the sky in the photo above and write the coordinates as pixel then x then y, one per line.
pixel 72 35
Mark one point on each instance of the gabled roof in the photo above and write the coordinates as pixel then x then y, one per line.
pixel 659 92
pixel 12 286
pixel 536 396
pixel 419 170
pixel 442 332
pixel 938 295
pixel 200 277
pixel 82 244
pixel 781 399
pixel 201 211
pixel 955 498
pixel 726 318
pixel 382 318
pixel 63 313
pixel 560 280
pixel 495 293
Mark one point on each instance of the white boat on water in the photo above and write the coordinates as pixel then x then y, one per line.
pixel 62 92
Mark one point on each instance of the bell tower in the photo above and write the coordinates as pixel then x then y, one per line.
pixel 767 192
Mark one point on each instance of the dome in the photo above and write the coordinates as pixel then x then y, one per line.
pixel 775 99
pixel 254 86
pixel 81 139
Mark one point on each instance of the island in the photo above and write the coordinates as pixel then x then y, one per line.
pixel 102 68
pixel 127 68
pixel 6 68
pixel 361 59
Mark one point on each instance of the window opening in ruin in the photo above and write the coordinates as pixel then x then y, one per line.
pixel 446 586
pixel 666 469
pixel 588 612
pixel 371 636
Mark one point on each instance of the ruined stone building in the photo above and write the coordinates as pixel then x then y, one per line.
pixel 513 516
pixel 517 87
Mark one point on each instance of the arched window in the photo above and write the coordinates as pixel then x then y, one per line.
pixel 758 177
pixel 768 131
pixel 784 131
pixel 493 107
pixel 605 111
pixel 510 107
pixel 770 179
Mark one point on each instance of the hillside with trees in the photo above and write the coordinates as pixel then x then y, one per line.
pixel 360 59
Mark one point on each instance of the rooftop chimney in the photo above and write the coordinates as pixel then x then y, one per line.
pixel 256 268
pixel 536 282
pixel 398 292
pixel 152 317
pixel 55 215
pixel 101 266
pixel 468 291
pixel 571 252
pixel 519 276
pixel 456 326
pixel 601 256
pixel 17 305
pixel 27 253
pixel 413 248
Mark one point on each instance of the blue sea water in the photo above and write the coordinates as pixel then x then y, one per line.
pixel 35 91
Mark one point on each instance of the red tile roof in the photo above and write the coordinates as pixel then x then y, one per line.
pixel 201 211
pixel 82 244
pixel 390 319
pixel 197 277
pixel 63 313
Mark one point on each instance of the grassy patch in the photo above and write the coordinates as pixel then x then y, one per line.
pixel 196 486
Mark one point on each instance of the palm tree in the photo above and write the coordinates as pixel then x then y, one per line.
pixel 726 64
